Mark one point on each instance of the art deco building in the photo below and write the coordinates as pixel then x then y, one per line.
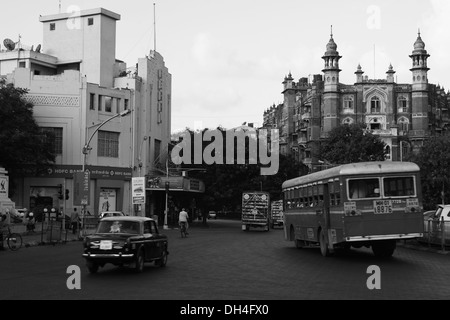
pixel 76 83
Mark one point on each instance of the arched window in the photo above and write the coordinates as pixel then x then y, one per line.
pixel 375 105
pixel 402 104
pixel 388 152
pixel 348 104
pixel 347 120
pixel 403 124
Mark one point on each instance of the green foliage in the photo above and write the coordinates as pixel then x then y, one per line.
pixel 352 143
pixel 434 162
pixel 21 143
pixel 224 183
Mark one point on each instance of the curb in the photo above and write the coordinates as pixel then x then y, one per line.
pixel 34 243
pixel 422 248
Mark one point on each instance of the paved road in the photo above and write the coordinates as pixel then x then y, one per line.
pixel 223 262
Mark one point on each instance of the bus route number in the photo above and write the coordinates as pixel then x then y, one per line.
pixel 382 206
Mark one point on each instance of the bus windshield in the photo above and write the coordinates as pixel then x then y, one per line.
pixel 364 188
pixel 398 187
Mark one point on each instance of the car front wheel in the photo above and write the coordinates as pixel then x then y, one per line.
pixel 163 260
pixel 140 261
pixel 92 267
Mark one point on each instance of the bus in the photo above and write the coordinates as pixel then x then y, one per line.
pixel 370 204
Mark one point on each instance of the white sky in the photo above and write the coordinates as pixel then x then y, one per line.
pixel 228 58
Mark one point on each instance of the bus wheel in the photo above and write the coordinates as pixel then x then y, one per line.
pixel 323 244
pixel 384 249
pixel 298 243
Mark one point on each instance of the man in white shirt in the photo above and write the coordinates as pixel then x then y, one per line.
pixel 183 218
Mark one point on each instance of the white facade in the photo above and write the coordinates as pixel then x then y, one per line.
pixel 76 84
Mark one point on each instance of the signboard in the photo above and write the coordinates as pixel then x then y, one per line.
pixel 176 184
pixel 107 200
pixel 138 190
pixel 81 184
pixel 67 171
pixel 4 187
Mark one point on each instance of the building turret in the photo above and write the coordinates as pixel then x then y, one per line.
pixel 419 71
pixel 331 85
pixel 331 70
pixel 359 74
pixel 390 74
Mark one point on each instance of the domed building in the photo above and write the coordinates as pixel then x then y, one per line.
pixel 402 115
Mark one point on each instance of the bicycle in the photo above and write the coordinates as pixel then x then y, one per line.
pixel 13 240
pixel 183 230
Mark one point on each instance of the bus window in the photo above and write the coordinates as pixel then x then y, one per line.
pixel 398 187
pixel 364 188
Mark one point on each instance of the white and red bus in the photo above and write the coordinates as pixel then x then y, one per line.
pixel 371 204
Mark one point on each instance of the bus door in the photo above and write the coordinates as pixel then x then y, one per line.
pixel 326 214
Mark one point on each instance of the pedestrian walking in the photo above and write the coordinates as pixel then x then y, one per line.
pixel 74 220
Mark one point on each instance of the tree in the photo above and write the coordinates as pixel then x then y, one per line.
pixel 21 142
pixel 352 143
pixel 224 183
pixel 434 161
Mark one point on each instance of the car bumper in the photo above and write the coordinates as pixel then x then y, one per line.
pixel 114 258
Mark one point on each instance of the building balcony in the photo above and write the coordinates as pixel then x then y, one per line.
pixel 418 133
pixel 302 127
pixel 382 132
pixel 306 116
pixel 302 140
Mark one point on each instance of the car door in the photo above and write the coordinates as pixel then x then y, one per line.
pixel 159 240
pixel 148 240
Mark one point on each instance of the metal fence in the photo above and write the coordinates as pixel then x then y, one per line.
pixel 88 225
pixel 437 233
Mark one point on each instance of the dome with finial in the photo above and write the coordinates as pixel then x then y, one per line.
pixel 391 69
pixel 331 45
pixel 419 45
pixel 359 69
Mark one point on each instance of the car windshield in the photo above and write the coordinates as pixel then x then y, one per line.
pixel 117 226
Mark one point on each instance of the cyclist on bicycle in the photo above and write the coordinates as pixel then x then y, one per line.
pixel 183 219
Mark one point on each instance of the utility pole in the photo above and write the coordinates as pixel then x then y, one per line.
pixel 166 212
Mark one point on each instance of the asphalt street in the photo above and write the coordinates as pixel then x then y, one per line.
pixel 223 263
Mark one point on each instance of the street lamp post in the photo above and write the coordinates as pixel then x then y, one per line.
pixel 167 186
pixel 87 148
pixel 401 150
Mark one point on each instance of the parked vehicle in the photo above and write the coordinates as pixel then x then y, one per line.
pixel 212 215
pixel 276 214
pixel 111 214
pixel 255 210
pixel 125 241
pixel 437 224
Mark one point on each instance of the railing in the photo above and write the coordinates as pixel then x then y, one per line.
pixel 437 232
pixel 88 225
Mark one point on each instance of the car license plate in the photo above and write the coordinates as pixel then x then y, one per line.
pixel 382 206
pixel 105 245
